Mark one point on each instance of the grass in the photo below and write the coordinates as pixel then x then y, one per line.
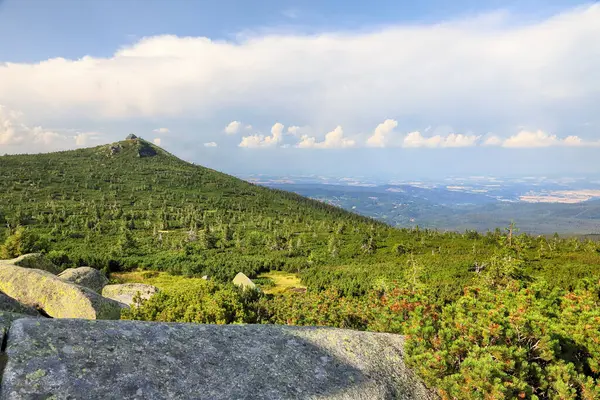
pixel 284 282
pixel 162 280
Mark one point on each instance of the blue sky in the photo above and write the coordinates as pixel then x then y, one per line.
pixel 387 88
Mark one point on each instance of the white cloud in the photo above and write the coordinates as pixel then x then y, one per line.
pixel 531 139
pixel 573 141
pixel 325 77
pixel 415 139
pixel 161 130
pixel 333 140
pixel 259 140
pixel 83 139
pixel 210 144
pixel 294 130
pixel 379 138
pixel 157 141
pixel 536 139
pixel 233 127
pixel 15 135
pixel 460 140
pixel 493 140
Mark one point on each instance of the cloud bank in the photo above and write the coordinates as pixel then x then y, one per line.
pixel 489 68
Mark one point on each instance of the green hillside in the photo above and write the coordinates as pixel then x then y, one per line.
pixel 517 311
pixel 131 204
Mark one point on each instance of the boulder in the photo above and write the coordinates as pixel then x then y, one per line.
pixel 55 297
pixel 79 359
pixel 243 281
pixel 124 293
pixel 8 304
pixel 35 261
pixel 87 277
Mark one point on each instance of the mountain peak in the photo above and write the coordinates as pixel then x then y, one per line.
pixel 141 147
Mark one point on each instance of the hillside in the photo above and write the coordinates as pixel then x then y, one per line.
pixel 496 315
pixel 132 204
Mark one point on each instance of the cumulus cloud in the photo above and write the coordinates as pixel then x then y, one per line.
pixel 492 140
pixel 416 139
pixel 537 139
pixel 156 141
pixel 233 127
pixel 258 140
pixel 16 135
pixel 326 79
pixel 294 130
pixel 210 144
pixel 83 139
pixel 161 130
pixel 333 140
pixel 380 135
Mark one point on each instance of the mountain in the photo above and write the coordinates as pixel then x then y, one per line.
pixel 132 204
pixel 501 314
pixel 91 202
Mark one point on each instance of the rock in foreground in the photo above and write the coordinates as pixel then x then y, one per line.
pixel 87 277
pixel 143 360
pixel 58 299
pixel 8 304
pixel 125 292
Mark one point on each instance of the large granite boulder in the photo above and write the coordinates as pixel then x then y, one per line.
pixel 243 281
pixel 35 261
pixel 79 359
pixel 125 292
pixel 8 304
pixel 87 277
pixel 55 297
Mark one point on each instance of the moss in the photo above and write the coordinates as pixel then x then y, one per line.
pixel 40 373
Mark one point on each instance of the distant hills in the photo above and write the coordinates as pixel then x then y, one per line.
pixel 454 210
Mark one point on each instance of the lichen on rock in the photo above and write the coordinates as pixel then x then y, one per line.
pixel 57 298
pixel 134 360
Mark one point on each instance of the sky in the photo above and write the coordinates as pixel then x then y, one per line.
pixel 341 88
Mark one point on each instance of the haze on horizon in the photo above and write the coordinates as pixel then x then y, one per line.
pixel 343 88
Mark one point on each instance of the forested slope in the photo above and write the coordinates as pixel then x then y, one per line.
pixel 499 315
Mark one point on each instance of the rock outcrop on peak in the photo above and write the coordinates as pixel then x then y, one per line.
pixel 79 359
pixel 87 277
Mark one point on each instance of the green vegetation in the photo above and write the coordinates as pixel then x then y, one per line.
pixel 278 282
pixel 488 316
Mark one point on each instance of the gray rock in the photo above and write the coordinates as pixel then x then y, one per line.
pixel 57 298
pixel 87 277
pixel 35 261
pixel 6 319
pixel 8 304
pixel 143 360
pixel 243 281
pixel 124 293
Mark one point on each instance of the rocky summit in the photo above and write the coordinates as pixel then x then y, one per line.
pixel 83 359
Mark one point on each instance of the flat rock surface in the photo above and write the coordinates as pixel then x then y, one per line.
pixel 80 359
